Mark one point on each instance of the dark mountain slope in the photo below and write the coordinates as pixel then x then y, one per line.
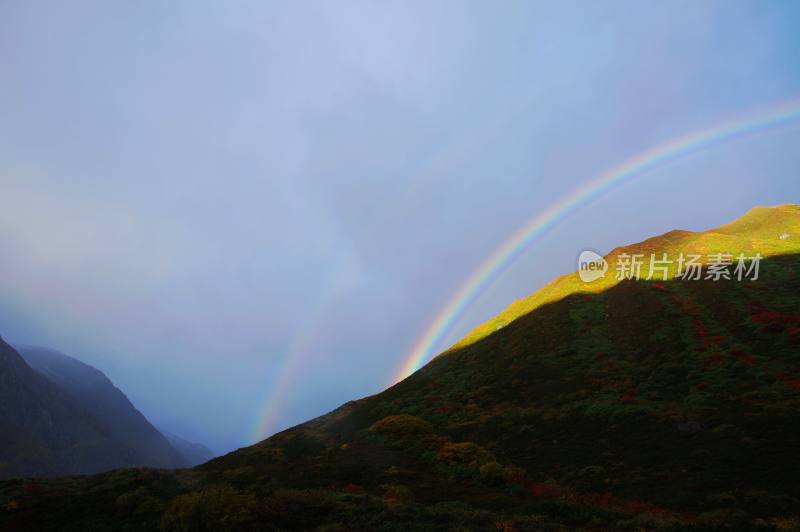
pixel 98 395
pixel 193 453
pixel 628 405
pixel 44 431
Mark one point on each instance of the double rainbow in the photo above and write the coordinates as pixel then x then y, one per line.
pixel 752 123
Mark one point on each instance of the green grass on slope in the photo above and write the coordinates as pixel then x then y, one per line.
pixel 759 231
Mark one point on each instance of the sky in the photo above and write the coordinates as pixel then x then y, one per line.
pixel 247 213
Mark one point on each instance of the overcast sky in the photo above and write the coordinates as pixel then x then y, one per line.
pixel 192 193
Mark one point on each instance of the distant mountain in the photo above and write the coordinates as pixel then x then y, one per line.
pixel 622 404
pixel 98 395
pixel 193 453
pixel 46 432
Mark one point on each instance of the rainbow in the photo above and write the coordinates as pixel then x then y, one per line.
pixel 782 114
pixel 267 418
pixel 303 344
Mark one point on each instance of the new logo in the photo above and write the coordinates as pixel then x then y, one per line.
pixel 591 266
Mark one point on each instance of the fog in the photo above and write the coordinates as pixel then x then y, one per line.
pixel 246 213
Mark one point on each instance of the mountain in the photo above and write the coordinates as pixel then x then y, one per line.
pixel 620 404
pixel 44 431
pixel 192 453
pixel 98 395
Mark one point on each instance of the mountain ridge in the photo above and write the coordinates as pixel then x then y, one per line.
pixel 45 431
pixel 698 241
pixel 193 453
pixel 107 403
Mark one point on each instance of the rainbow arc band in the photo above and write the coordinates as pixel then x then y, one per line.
pixel 776 116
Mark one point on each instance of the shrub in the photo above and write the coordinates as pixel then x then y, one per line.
pixel 212 509
pixel 779 523
pixel 300 509
pixel 466 453
pixel 354 488
pixel 494 474
pixel 402 425
pixel 139 501
pixel 456 512
pixel 396 495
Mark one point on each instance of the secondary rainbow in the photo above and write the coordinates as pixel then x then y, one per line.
pixel 776 116
pixel 306 341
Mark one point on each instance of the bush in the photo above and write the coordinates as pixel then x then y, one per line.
pixel 139 501
pixel 396 495
pixel 466 453
pixel 456 512
pixel 213 509
pixel 494 474
pixel 402 425
pixel 302 509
